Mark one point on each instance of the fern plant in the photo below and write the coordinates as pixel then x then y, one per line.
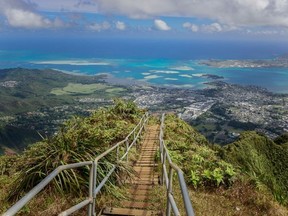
pixel 190 150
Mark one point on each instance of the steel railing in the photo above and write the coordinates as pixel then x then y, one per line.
pixel 167 178
pixel 93 188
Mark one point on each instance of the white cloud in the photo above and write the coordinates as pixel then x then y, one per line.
pixel 227 12
pixel 99 26
pixel 187 25
pixel 26 19
pixel 192 27
pixel 19 13
pixel 195 28
pixel 67 5
pixel 214 27
pixel 225 15
pixel 267 32
pixel 120 25
pixel 161 25
pixel 209 28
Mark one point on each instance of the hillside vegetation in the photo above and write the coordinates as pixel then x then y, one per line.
pixel 191 152
pixel 37 102
pixel 239 179
pixel 80 139
pixel 263 160
pixel 247 177
pixel 32 89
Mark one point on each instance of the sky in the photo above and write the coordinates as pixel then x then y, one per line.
pixel 228 19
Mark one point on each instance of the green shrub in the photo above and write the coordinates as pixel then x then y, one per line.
pixel 190 150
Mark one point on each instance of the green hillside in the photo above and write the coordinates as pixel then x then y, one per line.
pixel 80 139
pixel 247 177
pixel 262 160
pixel 37 102
pixel 32 89
pixel 190 149
pixel 18 138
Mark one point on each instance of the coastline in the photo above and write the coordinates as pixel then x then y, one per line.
pixel 172 73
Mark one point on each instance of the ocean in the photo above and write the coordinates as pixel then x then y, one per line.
pixel 171 63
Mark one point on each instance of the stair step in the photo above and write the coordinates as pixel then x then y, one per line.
pixel 140 187
pixel 140 192
pixel 139 197
pixel 148 177
pixel 146 174
pixel 141 168
pixel 147 156
pixel 144 182
pixel 146 164
pixel 135 204
pixel 146 161
pixel 150 156
pixel 148 153
pixel 127 211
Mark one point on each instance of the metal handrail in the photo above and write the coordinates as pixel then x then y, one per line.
pixel 93 189
pixel 167 178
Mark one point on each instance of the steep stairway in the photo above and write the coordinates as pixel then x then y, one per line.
pixel 140 200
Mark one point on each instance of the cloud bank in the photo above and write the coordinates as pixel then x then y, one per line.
pixel 20 13
pixel 229 12
pixel 266 17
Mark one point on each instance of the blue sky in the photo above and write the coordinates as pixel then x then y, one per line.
pixel 226 19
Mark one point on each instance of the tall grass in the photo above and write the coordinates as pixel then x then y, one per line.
pixel 80 139
pixel 265 162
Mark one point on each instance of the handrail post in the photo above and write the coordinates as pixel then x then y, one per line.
pixel 163 167
pixel 169 191
pixel 91 187
pixel 161 159
pixel 94 187
pixel 127 147
pixel 117 153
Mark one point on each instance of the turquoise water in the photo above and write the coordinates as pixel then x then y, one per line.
pixel 160 66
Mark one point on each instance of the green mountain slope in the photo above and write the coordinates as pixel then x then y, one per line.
pixel 235 180
pixel 263 160
pixel 80 139
pixel 17 138
pixel 39 101
pixel 24 90
pixel 238 179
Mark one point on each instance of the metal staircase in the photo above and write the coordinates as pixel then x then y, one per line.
pixel 139 198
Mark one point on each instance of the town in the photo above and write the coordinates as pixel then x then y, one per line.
pixel 221 111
